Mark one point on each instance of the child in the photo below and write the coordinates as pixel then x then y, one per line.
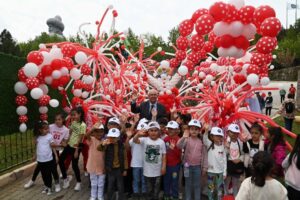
pixel 95 163
pixel 115 162
pixel 77 131
pixel 44 154
pixel 171 179
pixel 194 159
pixel 291 164
pixel 252 146
pixel 139 185
pixel 154 158
pixel 261 186
pixel 217 163
pixel 277 149
pixel 269 103
pixel 163 129
pixel 235 161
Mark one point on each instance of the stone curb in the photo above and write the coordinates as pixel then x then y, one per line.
pixel 17 174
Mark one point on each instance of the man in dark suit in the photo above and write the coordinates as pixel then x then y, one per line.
pixel 151 109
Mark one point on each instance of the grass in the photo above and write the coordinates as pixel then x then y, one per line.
pixel 15 149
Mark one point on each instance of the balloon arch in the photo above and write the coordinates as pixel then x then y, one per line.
pixel 103 82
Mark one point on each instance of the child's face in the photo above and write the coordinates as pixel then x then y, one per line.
pixel 255 134
pixel 75 116
pixel 172 132
pixel 113 125
pixel 98 133
pixel 194 131
pixel 217 139
pixel 59 121
pixel 163 128
pixel 112 140
pixel 233 136
pixel 153 133
pixel 44 130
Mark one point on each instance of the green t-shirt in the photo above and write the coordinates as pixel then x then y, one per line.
pixel 77 129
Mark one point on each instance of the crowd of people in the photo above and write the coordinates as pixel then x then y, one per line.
pixel 151 152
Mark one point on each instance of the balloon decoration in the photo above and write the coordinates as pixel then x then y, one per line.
pixel 212 88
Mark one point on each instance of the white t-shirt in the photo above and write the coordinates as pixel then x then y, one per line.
pixel 137 155
pixel 152 152
pixel 43 148
pixel 59 133
pixel 272 189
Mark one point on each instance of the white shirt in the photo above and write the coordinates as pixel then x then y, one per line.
pixel 59 134
pixel 43 148
pixel 137 155
pixel 153 151
pixel 272 190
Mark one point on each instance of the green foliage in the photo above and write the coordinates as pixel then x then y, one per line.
pixel 8 45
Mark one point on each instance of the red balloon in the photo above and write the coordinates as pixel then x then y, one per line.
pixel 69 63
pixel 227 41
pixel 257 59
pixel 55 83
pixel 199 13
pixel 21 75
pixel 196 42
pixel 253 69
pixel 232 13
pixel 56 64
pixel 174 63
pixel 245 14
pixel 68 50
pixel 21 100
pixel 115 13
pixel 180 55
pixel 218 42
pixel 46 70
pixel 218 11
pixel 270 27
pixel 261 13
pixel 32 82
pixel 264 71
pixel 23 119
pixel 266 44
pixel 194 56
pixel 64 80
pixel 268 58
pixel 204 24
pixel 86 70
pixel 35 57
pixel 241 42
pixel 212 37
pixel 44 100
pixel 78 84
pixel 186 27
pixel 44 117
pixel 189 64
pixel 208 46
pixel 182 43
pixel 41 78
pixel 88 87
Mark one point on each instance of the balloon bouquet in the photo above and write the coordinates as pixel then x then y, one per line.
pixel 102 79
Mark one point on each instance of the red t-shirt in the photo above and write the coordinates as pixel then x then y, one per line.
pixel 292 90
pixel 173 153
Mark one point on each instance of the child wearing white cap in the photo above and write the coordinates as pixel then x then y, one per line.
pixel 154 162
pixel 171 179
pixel 194 159
pixel 235 159
pixel 217 163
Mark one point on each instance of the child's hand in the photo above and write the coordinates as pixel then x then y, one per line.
pixel 106 142
pixel 76 154
pixel 141 133
pixel 34 158
pixel 129 133
pixel 163 171
pixel 154 112
pixel 186 133
pixel 224 177
pixel 56 159
pixel 204 173
pixel 136 118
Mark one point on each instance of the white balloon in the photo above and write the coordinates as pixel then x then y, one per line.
pixel 53 103
pixel 212 83
pixel 44 88
pixel 21 110
pixel 85 94
pixel 249 31
pixel 265 81
pixel 56 53
pixel 56 74
pixel 47 58
pixel 20 87
pixel 236 28
pixel 48 79
pixel 221 28
pixel 245 58
pixel 159 49
pixel 232 51
pixel 214 67
pixel 252 79
pixel 77 92
pixel 75 73
pixel 43 109
pixel 202 75
pixel 107 97
pixel 200 85
pixel 42 46
pixel 272 67
pixel 80 57
pixel 23 128
pixel 106 80
pixel 237 3
pixel 118 91
pixel 222 52
pixel 36 93
pixel 88 79
pixel 165 64
pixel 64 71
pixel 31 70
pixel 183 70
pixel 209 78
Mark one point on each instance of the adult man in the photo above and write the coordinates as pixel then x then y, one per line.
pixel 150 109
pixel 292 91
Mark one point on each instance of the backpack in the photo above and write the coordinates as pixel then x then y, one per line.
pixel 289 107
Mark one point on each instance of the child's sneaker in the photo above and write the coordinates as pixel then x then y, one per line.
pixel 77 187
pixel 29 184
pixel 45 190
pixel 66 183
pixel 49 191
pixel 92 198
pixel 69 177
pixel 57 187
pixel 86 173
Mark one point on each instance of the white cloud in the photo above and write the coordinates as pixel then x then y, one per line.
pixel 26 19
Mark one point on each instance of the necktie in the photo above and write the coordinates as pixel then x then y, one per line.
pixel 151 108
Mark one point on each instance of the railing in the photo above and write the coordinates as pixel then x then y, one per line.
pixel 15 150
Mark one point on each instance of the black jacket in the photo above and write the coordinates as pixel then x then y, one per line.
pixel 144 110
pixel 109 156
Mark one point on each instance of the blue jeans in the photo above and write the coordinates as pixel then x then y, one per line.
pixel 171 181
pixel 288 123
pixel 192 183
pixel 139 184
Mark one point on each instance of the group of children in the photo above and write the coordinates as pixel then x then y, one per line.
pixel 152 154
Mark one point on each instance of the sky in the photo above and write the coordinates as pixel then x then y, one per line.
pixel 26 19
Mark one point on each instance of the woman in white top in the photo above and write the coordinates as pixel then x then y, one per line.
pixel 261 186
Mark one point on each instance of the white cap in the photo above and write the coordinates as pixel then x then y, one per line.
pixel 114 120
pixel 114 132
pixel 153 125
pixel 234 128
pixel 195 122
pixel 144 120
pixel 217 131
pixel 172 125
pixel 142 126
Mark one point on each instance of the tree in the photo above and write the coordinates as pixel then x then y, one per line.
pixel 132 41
pixel 173 35
pixel 8 45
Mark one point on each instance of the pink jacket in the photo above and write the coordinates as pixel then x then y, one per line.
pixel 279 154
